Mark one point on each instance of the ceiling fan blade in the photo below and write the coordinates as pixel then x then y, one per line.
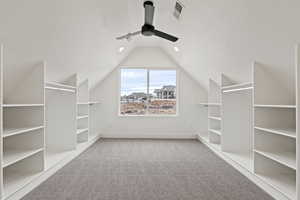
pixel 128 35
pixel 149 12
pixel 165 36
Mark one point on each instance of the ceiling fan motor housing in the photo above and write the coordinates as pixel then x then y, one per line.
pixel 150 3
pixel 148 30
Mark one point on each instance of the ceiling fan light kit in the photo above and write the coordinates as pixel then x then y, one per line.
pixel 148 29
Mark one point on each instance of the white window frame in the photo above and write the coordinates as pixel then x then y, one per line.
pixel 149 69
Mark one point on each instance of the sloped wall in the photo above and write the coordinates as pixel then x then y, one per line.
pixel 192 118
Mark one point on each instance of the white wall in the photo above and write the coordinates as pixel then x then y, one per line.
pixel 72 36
pixel 215 36
pixel 192 118
pixel 227 36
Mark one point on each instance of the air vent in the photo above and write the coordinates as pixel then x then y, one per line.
pixel 178 9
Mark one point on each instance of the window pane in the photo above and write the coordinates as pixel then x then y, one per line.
pixel 133 92
pixel 162 92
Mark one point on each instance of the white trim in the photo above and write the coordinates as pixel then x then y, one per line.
pixel 249 174
pixel 148 78
pixel 49 172
pixel 117 135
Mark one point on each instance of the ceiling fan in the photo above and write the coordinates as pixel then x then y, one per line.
pixel 148 29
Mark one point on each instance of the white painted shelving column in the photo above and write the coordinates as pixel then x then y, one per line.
pixel 297 60
pixel 61 106
pixel 274 132
pixel 237 121
pixel 22 130
pixel 214 115
pixel 83 112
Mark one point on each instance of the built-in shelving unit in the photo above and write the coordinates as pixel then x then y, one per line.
pixel 213 135
pixel 39 127
pixel 83 112
pixel 237 122
pixel 60 119
pixel 214 115
pixel 289 132
pixel 259 128
pixel 274 132
pixel 297 61
pixel 22 129
pixel 7 132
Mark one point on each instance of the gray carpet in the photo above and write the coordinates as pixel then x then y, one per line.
pixel 147 170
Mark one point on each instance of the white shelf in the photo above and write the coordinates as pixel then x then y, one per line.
pixel 82 116
pixel 285 183
pixel 215 118
pixel 285 158
pixel 289 132
pixel 82 130
pixel 83 103
pixel 274 106
pixel 210 104
pixel 16 131
pixel 11 156
pixel 94 102
pixel 21 105
pixel 240 85
pixel 218 132
pixel 60 85
pixel 237 90
pixel 60 89
pixel 14 181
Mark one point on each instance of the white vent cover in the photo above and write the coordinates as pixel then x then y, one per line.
pixel 178 9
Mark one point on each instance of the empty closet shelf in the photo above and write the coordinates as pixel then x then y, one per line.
pixel 94 102
pixel 21 105
pixel 15 180
pixel 83 103
pixel 285 158
pixel 214 118
pixel 11 156
pixel 210 104
pixel 286 183
pixel 289 132
pixel 274 106
pixel 60 85
pixel 240 85
pixel 218 132
pixel 82 130
pixel 237 89
pixel 16 131
pixel 82 116
pixel 60 89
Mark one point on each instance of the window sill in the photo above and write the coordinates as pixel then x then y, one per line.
pixel 148 116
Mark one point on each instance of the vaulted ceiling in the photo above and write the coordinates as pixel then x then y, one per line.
pixel 215 36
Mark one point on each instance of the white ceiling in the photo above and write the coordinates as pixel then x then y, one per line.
pixel 215 36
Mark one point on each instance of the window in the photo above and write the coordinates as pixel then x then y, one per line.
pixel 148 92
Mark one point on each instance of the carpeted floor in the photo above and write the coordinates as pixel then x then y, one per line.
pixel 148 170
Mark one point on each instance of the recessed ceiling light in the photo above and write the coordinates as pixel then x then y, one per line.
pixel 121 49
pixel 176 49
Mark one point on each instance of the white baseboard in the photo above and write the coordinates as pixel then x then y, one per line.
pixel 51 171
pixel 251 176
pixel 149 136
